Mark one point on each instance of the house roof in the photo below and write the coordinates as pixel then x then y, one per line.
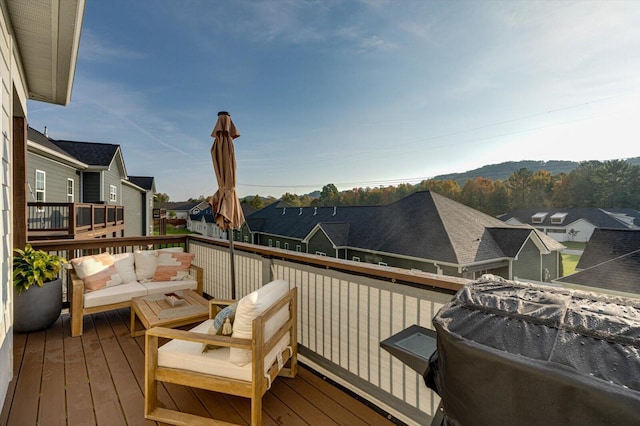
pixel 601 218
pixel 37 141
pixel 92 153
pixel 618 274
pixel 608 244
pixel 144 182
pixel 47 34
pixel 424 225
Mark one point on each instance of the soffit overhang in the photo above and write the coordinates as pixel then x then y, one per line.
pixel 47 34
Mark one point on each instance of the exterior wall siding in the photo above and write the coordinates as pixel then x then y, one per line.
pixel 112 177
pixel 6 219
pixel 133 202
pixel 528 265
pixel 319 242
pixel 56 178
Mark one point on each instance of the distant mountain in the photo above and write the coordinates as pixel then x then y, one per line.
pixel 502 171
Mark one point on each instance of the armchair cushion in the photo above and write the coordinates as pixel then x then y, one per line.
pixel 252 305
pixel 187 355
pixel 117 294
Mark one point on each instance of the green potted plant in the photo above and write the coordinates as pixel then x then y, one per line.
pixel 37 301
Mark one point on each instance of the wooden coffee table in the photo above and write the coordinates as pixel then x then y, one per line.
pixel 154 310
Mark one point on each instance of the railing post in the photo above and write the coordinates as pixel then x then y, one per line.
pixel 72 219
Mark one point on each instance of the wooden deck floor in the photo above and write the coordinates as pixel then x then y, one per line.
pixel 98 379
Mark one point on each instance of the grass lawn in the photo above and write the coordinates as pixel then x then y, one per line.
pixel 569 262
pixel 171 230
pixel 574 245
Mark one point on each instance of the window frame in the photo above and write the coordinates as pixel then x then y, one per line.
pixel 70 195
pixel 43 190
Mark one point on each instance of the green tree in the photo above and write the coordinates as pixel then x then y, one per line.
pixel 518 184
pixel 328 195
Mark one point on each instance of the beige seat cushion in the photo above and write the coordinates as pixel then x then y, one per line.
pixel 158 287
pixel 189 356
pixel 117 294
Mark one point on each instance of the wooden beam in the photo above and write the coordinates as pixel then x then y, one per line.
pixel 20 190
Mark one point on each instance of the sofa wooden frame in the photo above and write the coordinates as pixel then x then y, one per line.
pixel 76 300
pixel 255 389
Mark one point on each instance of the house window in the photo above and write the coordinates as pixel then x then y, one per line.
pixel 69 190
pixel 298 247
pixel 270 242
pixel 277 244
pixel 355 259
pixel 538 217
pixel 382 264
pixel 41 178
pixel 321 253
pixel 558 218
pixel 286 246
pixel 113 193
pixel 245 238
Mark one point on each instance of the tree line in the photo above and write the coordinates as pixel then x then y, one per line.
pixel 608 184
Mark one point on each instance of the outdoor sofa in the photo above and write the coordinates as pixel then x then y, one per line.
pixel 104 282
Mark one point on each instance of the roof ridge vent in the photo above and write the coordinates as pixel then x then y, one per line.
pixel 335 209
pixel 300 214
pixel 284 210
pixel 315 211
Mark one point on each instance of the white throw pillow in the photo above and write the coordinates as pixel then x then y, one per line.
pixel 145 263
pixel 249 308
pixel 124 263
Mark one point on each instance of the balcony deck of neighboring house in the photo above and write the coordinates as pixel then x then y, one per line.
pixel 345 310
pixel 74 220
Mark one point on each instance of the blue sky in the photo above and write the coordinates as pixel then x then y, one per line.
pixel 355 93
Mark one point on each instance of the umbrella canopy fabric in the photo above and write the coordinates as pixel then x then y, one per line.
pixel 225 204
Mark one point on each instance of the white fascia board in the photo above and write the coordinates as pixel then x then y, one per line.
pixel 35 147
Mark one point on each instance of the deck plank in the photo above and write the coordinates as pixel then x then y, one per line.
pixel 52 408
pixel 26 397
pixel 98 378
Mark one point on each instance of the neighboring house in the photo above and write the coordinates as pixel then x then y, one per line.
pixel 138 190
pixel 185 209
pixel 38 49
pixel 574 224
pixel 87 172
pixel 203 222
pixel 424 231
pixel 610 262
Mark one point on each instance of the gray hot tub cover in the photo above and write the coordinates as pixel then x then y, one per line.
pixel 512 353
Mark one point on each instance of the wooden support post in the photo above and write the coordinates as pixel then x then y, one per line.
pixel 19 185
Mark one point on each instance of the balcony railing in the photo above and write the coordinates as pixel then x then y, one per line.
pixel 345 310
pixel 73 220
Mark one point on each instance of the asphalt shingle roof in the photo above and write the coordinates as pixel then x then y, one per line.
pixel 92 153
pixel 608 244
pixel 424 225
pixel 144 182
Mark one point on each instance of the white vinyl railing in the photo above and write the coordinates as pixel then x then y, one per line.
pixel 342 318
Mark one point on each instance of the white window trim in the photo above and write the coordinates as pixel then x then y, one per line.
pixel 42 191
pixel 73 189
pixel 113 194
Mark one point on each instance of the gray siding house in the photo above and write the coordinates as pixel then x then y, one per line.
pixel 424 231
pixel 88 172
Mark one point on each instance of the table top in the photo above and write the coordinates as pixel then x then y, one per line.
pixel 154 310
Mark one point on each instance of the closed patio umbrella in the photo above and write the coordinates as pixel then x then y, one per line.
pixel 225 204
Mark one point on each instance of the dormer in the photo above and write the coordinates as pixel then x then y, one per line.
pixel 558 218
pixel 539 217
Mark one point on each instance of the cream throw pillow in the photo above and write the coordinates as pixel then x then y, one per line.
pixel 125 264
pixel 249 308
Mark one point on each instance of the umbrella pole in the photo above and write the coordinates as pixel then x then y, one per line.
pixel 233 265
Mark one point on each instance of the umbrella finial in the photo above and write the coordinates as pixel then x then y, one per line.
pixel 223 113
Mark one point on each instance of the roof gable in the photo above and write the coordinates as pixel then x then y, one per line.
pixel 607 244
